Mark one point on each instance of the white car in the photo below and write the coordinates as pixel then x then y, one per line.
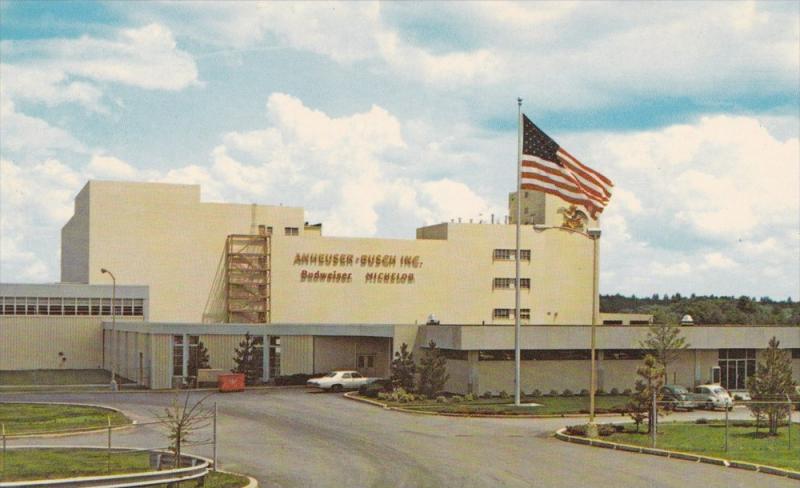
pixel 741 395
pixel 340 380
pixel 713 396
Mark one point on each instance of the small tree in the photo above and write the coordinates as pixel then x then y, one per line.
pixel 433 371
pixel 640 405
pixel 182 420
pixel 665 343
pixel 248 360
pixel 403 369
pixel 772 382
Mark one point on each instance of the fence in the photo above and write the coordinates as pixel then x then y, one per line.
pixel 198 431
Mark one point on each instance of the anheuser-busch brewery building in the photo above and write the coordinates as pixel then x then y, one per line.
pixel 189 271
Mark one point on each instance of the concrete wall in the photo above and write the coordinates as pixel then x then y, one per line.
pixel 221 350
pixel 162 235
pixel 459 380
pixel 161 361
pixel 33 342
pixel 297 355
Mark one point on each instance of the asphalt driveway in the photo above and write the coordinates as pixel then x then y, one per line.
pixel 296 438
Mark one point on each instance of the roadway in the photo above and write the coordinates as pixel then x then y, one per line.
pixel 297 438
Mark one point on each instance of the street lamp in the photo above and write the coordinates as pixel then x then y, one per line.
pixel 113 328
pixel 594 235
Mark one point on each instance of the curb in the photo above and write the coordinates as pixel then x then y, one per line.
pixel 353 396
pixel 58 390
pixel 34 435
pixel 560 435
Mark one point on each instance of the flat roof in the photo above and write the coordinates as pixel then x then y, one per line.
pixel 72 290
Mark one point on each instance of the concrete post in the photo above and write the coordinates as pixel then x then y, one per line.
pixel 267 354
pixel 185 365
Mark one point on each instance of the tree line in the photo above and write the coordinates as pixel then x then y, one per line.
pixel 706 309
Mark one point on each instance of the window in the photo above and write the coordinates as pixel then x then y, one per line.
pixel 525 194
pixel 557 354
pixel 346 375
pixel 454 354
pixel 612 322
pixel 735 367
pixel 177 355
pixel 498 355
pixel 501 313
pixel 795 353
pixel 291 231
pixel 274 356
pixel 510 254
pixel 636 354
pixel 508 283
pixel 356 375
pixel 508 313
pixel 640 322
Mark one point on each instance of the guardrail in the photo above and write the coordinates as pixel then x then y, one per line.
pixel 199 469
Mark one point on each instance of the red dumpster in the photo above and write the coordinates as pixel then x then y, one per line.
pixel 230 382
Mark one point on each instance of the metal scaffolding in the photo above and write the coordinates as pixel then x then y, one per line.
pixel 247 277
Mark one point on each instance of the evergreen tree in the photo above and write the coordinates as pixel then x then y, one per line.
pixel 665 342
pixel 248 360
pixel 433 371
pixel 198 358
pixel 403 369
pixel 772 381
pixel 639 407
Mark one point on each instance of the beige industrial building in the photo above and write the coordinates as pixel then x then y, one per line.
pixel 210 272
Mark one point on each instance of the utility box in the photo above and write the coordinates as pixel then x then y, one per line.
pixel 230 382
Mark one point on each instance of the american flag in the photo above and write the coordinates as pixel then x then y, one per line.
pixel 547 167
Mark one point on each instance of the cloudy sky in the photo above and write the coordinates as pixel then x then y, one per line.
pixel 379 118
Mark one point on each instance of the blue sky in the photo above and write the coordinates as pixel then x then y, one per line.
pixel 379 118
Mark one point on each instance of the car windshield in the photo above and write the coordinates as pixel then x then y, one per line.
pixel 331 374
pixel 719 391
pixel 680 389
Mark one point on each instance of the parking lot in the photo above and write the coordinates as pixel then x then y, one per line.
pixel 297 438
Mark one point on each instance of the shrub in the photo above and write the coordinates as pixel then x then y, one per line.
pixel 615 391
pixel 422 398
pixel 553 393
pixel 441 399
pixel 469 397
pixel 404 398
pixel 701 421
pixel 600 392
pixel 456 399
pixel 583 392
pixel 576 430
pixel 383 395
pixel 536 393
pixel 504 395
pixel 627 392
pixel 567 392
pixel 487 394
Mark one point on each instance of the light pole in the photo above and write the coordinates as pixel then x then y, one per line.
pixel 594 235
pixel 113 328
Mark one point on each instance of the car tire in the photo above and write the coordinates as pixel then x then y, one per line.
pixel 336 388
pixel 709 406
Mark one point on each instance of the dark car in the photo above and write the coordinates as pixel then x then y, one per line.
pixel 374 387
pixel 678 397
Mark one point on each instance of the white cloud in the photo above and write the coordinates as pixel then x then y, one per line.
pixel 55 71
pixel 715 260
pixel 109 167
pixel 30 136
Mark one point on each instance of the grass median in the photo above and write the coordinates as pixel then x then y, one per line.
pixel 34 418
pixel 744 443
pixel 39 464
pixel 546 405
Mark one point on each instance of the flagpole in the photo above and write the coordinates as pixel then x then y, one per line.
pixel 517 353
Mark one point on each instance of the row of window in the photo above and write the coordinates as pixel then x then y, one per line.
pixel 560 354
pixel 511 254
pixel 508 283
pixel 70 306
pixel 509 313
pixel 194 356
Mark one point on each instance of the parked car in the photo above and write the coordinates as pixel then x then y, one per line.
pixel 711 397
pixel 339 380
pixel 741 395
pixel 677 397
pixel 377 385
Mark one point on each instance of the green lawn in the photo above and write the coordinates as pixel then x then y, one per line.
pixel 549 405
pixel 31 464
pixel 57 377
pixel 30 418
pixel 709 440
